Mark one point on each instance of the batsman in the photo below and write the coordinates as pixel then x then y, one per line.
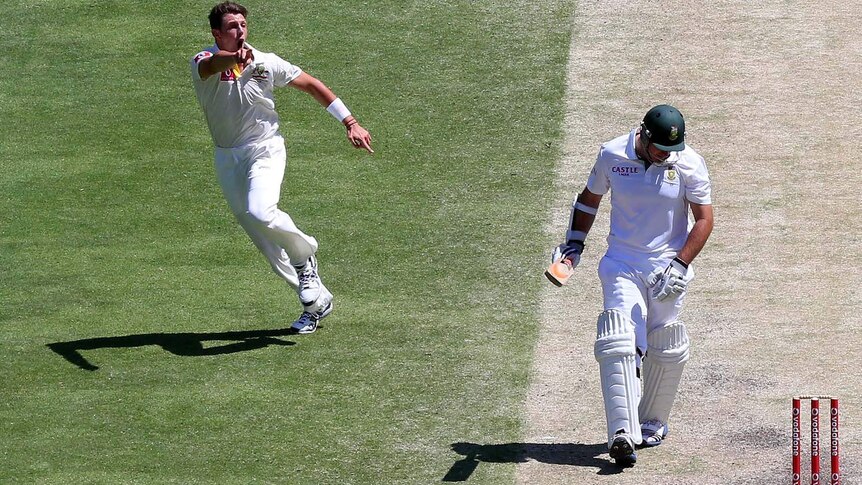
pixel 655 179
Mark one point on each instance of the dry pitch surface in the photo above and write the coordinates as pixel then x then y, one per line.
pixel 772 98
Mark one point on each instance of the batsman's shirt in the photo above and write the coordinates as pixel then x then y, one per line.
pixel 649 206
pixel 239 106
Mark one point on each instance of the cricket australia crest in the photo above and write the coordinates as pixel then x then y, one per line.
pixel 259 72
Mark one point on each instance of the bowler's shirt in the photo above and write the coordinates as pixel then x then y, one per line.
pixel 649 205
pixel 239 106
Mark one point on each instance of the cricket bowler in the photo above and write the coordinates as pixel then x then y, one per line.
pixel 234 83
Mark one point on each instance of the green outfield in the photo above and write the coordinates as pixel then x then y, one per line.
pixel 144 339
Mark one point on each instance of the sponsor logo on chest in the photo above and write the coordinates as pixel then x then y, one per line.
pixel 625 171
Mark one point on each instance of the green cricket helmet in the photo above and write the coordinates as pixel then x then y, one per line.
pixel 664 127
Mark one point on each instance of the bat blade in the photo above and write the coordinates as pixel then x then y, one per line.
pixel 559 272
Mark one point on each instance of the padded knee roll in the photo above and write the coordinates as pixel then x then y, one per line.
pixel 616 353
pixel 667 353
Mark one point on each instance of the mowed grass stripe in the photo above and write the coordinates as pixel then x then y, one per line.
pixel 118 248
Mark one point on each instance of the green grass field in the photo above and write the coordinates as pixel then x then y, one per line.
pixel 144 338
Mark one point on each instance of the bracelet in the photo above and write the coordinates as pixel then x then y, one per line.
pixel 337 109
pixel 683 263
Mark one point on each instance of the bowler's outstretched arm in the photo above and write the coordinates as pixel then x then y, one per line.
pixel 358 136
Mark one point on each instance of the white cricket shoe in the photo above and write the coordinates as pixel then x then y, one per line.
pixel 313 314
pixel 653 432
pixel 309 282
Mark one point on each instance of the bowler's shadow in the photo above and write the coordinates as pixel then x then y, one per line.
pixel 185 344
pixel 575 454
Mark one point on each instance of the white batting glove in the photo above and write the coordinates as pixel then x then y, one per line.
pixel 668 282
pixel 570 250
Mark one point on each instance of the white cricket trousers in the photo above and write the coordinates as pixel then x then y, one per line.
pixel 250 177
pixel 624 288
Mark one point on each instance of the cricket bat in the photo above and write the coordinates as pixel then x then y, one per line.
pixel 560 271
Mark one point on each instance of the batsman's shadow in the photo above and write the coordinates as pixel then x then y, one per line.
pixel 184 344
pixel 575 454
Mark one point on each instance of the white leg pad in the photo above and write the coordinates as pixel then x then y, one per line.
pixel 667 353
pixel 615 352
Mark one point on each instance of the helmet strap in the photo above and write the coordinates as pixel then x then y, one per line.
pixel 645 143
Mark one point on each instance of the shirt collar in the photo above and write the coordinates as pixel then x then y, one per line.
pixel 630 147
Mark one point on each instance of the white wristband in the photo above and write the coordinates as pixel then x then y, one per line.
pixel 337 109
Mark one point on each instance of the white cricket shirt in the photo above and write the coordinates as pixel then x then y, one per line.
pixel 239 106
pixel 649 207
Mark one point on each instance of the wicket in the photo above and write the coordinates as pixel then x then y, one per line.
pixel 796 448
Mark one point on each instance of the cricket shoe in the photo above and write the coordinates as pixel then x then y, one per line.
pixel 623 449
pixel 309 282
pixel 653 432
pixel 312 315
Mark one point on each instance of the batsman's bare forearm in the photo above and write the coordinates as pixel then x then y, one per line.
pixel 583 214
pixel 583 222
pixel 703 222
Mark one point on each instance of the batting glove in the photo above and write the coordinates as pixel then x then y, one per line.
pixel 668 282
pixel 570 250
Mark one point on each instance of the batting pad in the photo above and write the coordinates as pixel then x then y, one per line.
pixel 615 352
pixel 667 353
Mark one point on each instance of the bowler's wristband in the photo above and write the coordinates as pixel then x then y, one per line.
pixel 338 110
